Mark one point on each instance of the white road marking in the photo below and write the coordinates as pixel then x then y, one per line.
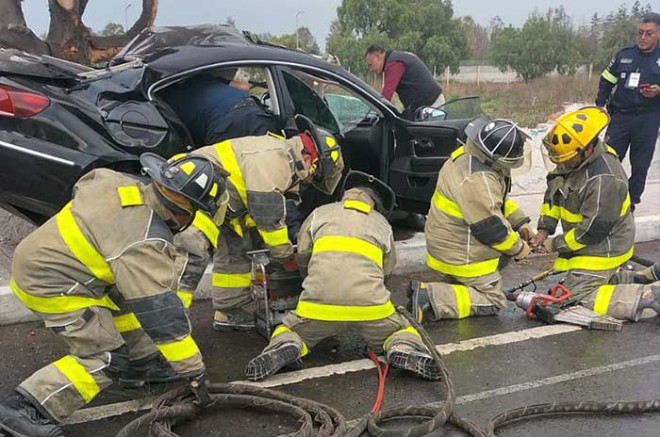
pixel 119 408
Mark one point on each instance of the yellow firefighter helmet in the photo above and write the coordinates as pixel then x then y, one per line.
pixel 574 131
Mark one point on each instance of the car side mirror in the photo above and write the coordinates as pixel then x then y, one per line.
pixel 429 113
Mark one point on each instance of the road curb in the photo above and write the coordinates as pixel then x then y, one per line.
pixel 410 255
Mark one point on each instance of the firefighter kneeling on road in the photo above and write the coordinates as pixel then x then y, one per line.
pixel 262 171
pixel 345 251
pixel 104 261
pixel 472 227
pixel 588 192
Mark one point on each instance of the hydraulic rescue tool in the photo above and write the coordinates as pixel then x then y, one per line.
pixel 275 292
pixel 558 305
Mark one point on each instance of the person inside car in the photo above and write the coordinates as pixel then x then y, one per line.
pixel 214 106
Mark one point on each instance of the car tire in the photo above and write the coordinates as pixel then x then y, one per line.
pixel 416 222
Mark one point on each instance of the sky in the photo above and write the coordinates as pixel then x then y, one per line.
pixel 279 16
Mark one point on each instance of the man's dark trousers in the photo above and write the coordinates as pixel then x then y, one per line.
pixel 639 131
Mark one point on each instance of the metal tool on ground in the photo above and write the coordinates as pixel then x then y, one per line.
pixel 558 305
pixel 275 291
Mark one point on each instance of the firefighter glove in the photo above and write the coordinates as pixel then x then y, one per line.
pixel 290 264
pixel 526 232
pixel 548 246
pixel 522 253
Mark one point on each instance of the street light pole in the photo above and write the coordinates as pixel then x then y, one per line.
pixel 126 16
pixel 297 37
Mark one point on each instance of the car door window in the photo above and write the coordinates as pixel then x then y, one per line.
pixel 347 107
pixel 308 102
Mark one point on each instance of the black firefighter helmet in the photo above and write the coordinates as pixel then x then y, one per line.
pixel 382 195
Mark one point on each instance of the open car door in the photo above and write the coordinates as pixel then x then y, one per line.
pixel 422 147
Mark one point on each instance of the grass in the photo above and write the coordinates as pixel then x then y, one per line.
pixel 529 103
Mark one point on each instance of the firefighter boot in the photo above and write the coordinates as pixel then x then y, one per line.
pixel 270 361
pixel 418 300
pixel 406 357
pixel 20 418
pixel 150 370
pixel 233 319
pixel 648 275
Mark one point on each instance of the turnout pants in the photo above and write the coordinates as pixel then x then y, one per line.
pixel 639 132
pixel 598 292
pixel 99 353
pixel 458 297
pixel 379 334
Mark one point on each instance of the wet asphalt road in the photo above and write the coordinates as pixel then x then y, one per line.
pixel 578 365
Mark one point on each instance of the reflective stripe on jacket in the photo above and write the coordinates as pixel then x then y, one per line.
pixel 593 204
pixel 346 248
pixel 471 223
pixel 109 235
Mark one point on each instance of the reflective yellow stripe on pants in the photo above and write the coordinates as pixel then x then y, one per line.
pixel 407 330
pixel 463 303
pixel 126 322
pixel 82 381
pixel 231 280
pixel 603 297
pixel 282 329
pixel 179 350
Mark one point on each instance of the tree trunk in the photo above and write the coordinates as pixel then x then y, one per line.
pixel 68 37
pixel 14 32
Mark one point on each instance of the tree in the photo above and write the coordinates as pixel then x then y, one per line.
pixel 113 29
pixel 478 39
pixel 68 37
pixel 424 27
pixel 305 40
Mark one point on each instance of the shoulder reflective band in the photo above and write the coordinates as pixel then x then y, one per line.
pixel 275 238
pixel 509 207
pixel 445 205
pixel 229 163
pixel 349 245
pixel 609 76
pixel 274 135
pixel 591 262
pixel 59 304
pixel 357 205
pixel 186 298
pixel 80 379
pixel 207 227
pixel 625 206
pixel 458 152
pixel 466 270
pixel 130 195
pixel 508 243
pixel 603 297
pixel 231 280
pixel 611 150
pixel 571 242
pixel 81 248
pixel 282 329
pixel 179 350
pixel 344 313
pixel 463 303
pixel 126 322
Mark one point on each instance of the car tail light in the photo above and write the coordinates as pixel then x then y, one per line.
pixel 19 103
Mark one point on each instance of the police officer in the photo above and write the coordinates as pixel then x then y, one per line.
pixel 472 226
pixel 262 172
pixel 588 194
pixel 107 260
pixel 346 249
pixel 635 103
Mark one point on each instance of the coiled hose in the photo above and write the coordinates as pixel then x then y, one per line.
pixel 321 420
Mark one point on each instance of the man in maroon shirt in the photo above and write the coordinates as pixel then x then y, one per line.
pixel 405 74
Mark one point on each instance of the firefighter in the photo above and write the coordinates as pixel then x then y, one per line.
pixel 472 227
pixel 345 250
pixel 588 193
pixel 104 262
pixel 263 171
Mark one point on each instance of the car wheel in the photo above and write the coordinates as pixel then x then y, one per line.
pixel 416 222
